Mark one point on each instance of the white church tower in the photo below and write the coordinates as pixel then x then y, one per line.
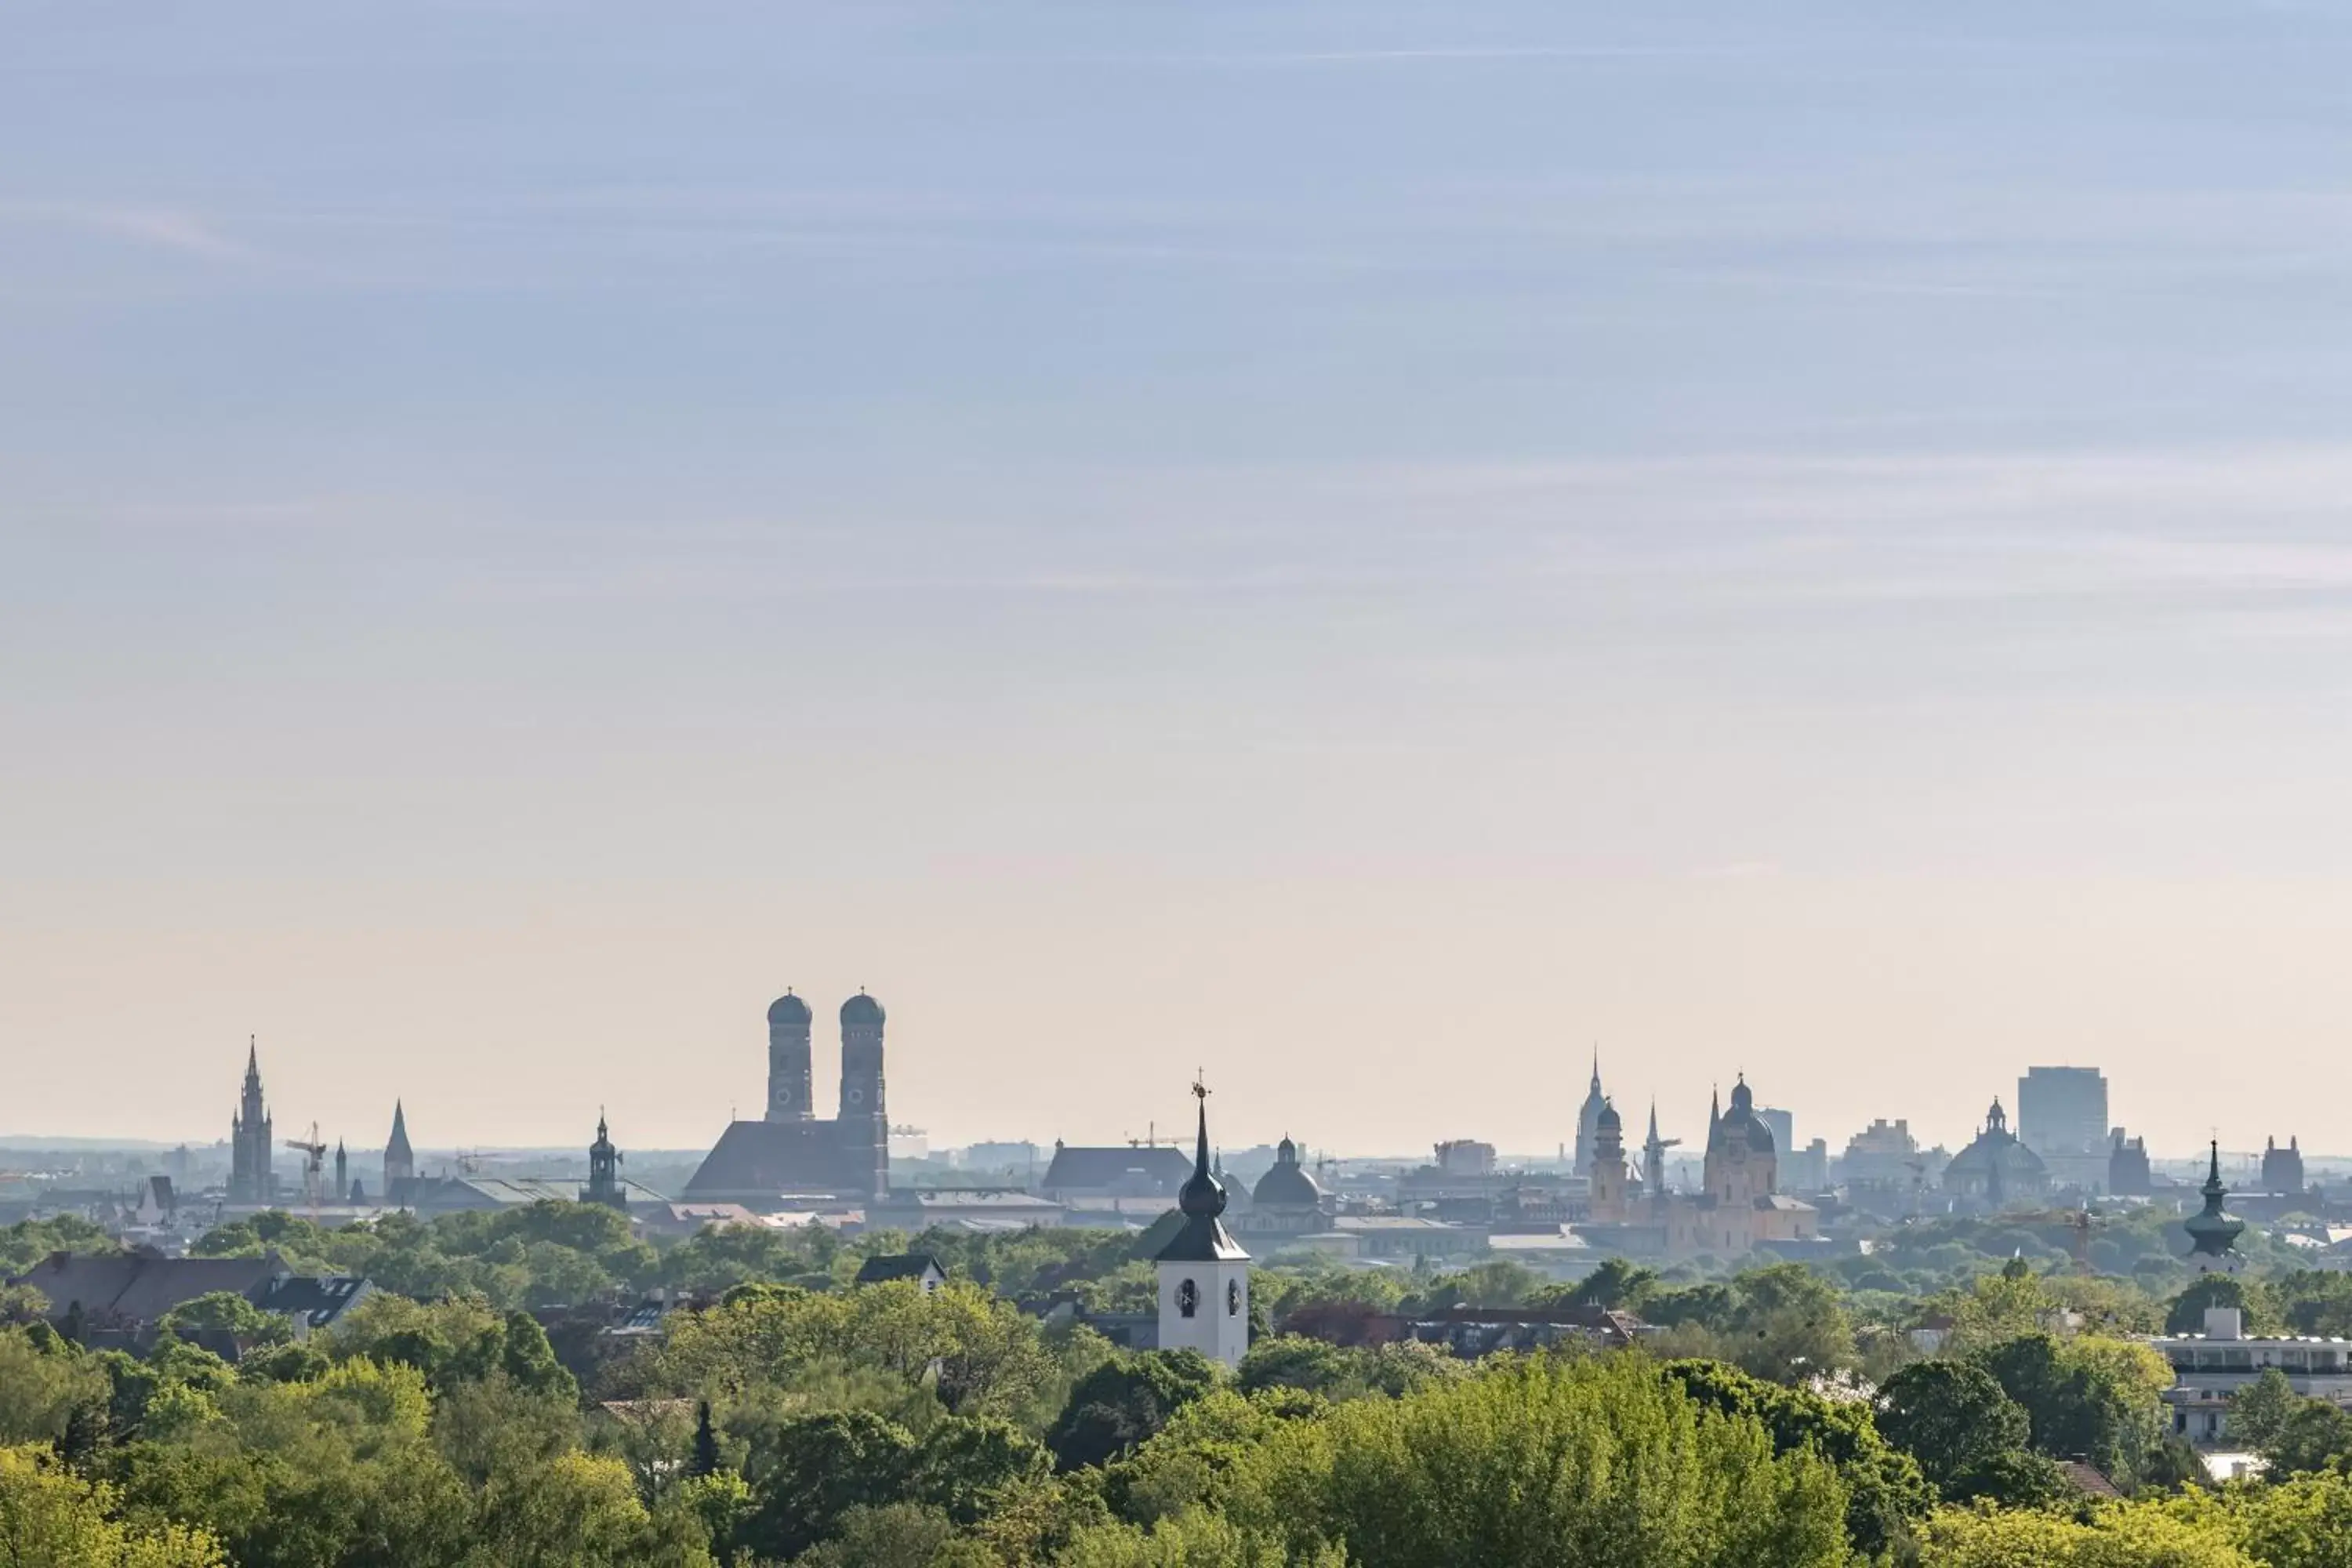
pixel 1204 1274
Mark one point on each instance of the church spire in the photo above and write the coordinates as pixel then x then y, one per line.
pixel 1596 1069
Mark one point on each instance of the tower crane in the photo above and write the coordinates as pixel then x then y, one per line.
pixel 314 1155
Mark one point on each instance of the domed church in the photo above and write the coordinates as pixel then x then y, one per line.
pixel 1996 1169
pixel 1740 1208
pixel 1287 1201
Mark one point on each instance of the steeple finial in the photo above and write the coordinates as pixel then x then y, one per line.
pixel 1200 1194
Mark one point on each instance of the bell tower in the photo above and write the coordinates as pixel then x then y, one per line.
pixel 1609 1167
pixel 1204 1272
pixel 791 1094
pixel 865 1116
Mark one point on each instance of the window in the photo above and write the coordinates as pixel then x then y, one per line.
pixel 1232 1298
pixel 1188 1298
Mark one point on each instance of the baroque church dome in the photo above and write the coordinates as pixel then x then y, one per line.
pixel 1996 1160
pixel 1287 1185
pixel 861 1009
pixel 1741 1122
pixel 788 1009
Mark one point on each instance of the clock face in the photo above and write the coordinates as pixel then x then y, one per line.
pixel 856 1097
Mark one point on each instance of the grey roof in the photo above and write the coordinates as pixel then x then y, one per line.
pixel 888 1265
pixel 1150 1170
pixel 1204 1239
pixel 139 1288
pixel 317 1299
pixel 767 1159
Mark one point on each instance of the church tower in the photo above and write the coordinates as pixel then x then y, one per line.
pixel 399 1160
pixel 1609 1167
pixel 2213 1234
pixel 605 1172
pixel 1203 1273
pixel 1588 1120
pixel 342 1174
pixel 864 1118
pixel 791 1094
pixel 252 1177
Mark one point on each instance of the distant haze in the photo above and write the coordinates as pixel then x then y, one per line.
pixel 1366 550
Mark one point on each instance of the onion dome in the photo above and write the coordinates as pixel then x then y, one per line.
pixel 1608 1118
pixel 2212 1233
pixel 788 1010
pixel 861 1009
pixel 1202 1195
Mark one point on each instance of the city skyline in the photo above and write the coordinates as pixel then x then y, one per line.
pixel 1363 549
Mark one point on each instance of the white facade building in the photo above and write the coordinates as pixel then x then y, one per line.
pixel 2209 1368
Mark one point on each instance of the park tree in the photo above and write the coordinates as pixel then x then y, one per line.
pixel 2261 1409
pixel 2186 1315
pixel 825 1464
pixel 1951 1416
pixel 52 1518
pixel 1122 1402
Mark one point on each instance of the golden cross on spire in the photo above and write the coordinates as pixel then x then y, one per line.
pixel 1200 1089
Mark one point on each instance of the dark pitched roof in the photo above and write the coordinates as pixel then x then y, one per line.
pixel 771 1158
pixel 1204 1239
pixel 884 1267
pixel 136 1288
pixel 317 1299
pixel 1151 1169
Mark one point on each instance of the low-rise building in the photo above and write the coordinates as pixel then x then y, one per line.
pixel 2211 1367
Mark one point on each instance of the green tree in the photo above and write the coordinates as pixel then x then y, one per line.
pixel 1543 1462
pixel 1951 1416
pixel 1122 1403
pixel 1885 1494
pixel 2186 1313
pixel 965 1463
pixel 2117 1536
pixel 2260 1410
pixel 2313 1437
pixel 40 1389
pixel 226 1311
pixel 705 1460
pixel 824 1465
pixel 52 1518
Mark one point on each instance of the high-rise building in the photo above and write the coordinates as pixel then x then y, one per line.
pixel 2127 1172
pixel 2061 1115
pixel 252 1175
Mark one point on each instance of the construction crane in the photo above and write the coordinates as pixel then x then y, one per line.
pixel 314 1157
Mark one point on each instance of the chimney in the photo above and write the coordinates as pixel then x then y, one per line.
pixel 2224 1323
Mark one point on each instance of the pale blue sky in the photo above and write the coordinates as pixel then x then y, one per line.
pixel 1368 547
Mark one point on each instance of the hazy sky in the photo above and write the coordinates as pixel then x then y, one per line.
pixel 1365 547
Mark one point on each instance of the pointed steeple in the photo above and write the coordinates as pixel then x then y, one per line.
pixel 1596 1069
pixel 1200 1194
pixel 1653 1118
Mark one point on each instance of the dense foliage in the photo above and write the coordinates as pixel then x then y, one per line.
pixel 1780 1415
